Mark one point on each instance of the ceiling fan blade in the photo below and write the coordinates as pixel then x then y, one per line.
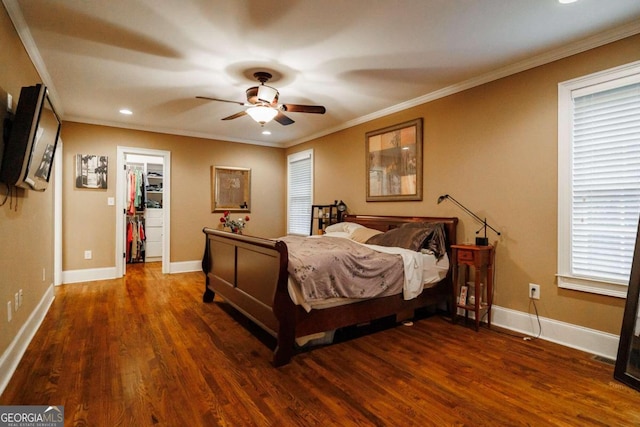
pixel 221 100
pixel 294 108
pixel 236 115
pixel 282 119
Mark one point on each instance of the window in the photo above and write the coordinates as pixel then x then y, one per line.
pixel 299 192
pixel 598 179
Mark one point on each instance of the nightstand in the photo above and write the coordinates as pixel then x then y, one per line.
pixel 480 260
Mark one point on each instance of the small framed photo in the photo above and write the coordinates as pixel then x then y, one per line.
pixel 91 171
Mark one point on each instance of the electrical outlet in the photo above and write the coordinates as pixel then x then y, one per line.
pixel 9 103
pixel 87 254
pixel 20 298
pixel 16 301
pixel 44 274
pixel 8 311
pixel 534 291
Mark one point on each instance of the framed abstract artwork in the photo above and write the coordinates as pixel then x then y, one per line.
pixel 394 162
pixel 230 189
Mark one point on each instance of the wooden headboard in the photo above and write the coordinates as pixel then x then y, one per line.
pixel 385 223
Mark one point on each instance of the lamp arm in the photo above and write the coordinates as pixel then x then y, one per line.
pixel 476 217
pixel 461 206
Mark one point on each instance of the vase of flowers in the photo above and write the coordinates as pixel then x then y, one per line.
pixel 235 225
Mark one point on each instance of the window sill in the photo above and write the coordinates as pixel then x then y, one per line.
pixel 592 286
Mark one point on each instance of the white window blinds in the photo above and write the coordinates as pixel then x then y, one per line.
pixel 605 181
pixel 300 192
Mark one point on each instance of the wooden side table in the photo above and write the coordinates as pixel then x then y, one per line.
pixel 480 259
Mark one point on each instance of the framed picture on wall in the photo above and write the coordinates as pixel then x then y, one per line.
pixel 91 171
pixel 394 162
pixel 230 189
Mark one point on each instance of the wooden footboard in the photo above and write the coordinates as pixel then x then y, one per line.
pixel 250 273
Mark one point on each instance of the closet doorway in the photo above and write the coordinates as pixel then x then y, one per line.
pixel 143 207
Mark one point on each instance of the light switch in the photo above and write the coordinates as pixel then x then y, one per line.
pixel 111 201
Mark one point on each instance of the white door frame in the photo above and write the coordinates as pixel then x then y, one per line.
pixel 121 188
pixel 57 214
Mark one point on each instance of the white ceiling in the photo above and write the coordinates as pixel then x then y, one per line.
pixel 361 59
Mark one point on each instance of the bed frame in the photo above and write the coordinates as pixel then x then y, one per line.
pixel 250 273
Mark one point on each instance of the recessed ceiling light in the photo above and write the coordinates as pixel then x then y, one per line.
pixel 126 112
pixel 567 1
pixel 266 132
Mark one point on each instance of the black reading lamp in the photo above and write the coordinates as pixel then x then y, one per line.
pixel 480 241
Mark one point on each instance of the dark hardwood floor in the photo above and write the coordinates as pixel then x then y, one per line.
pixel 145 351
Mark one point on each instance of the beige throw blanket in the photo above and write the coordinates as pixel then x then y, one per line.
pixel 331 267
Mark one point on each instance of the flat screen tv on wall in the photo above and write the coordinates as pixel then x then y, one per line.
pixel 29 150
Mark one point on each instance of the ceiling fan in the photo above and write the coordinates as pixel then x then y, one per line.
pixel 263 104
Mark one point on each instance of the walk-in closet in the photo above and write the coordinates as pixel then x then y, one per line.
pixel 144 204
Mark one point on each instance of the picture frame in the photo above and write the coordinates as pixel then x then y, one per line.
pixel 394 162
pixel 627 366
pixel 92 171
pixel 462 299
pixel 230 189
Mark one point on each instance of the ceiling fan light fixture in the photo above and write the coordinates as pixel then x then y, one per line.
pixel 262 114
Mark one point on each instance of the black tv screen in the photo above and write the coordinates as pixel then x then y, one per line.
pixel 28 154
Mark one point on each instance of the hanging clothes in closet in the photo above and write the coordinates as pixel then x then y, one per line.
pixel 136 204
pixel 135 239
pixel 136 184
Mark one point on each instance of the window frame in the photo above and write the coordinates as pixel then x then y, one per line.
pixel 596 82
pixel 291 158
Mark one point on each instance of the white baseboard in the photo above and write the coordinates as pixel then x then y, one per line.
pixel 574 336
pixel 88 275
pixel 186 266
pixel 10 359
pixel 93 274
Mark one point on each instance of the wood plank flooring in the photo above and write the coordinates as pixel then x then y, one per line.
pixel 145 351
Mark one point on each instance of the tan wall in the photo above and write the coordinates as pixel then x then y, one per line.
pixel 26 221
pixel 493 148
pixel 90 224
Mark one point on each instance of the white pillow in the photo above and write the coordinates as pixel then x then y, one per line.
pixel 347 227
pixel 350 227
pixel 342 234
pixel 339 226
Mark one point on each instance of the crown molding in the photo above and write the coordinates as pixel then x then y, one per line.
pixel 597 40
pixel 15 14
pixel 565 51
pixel 167 131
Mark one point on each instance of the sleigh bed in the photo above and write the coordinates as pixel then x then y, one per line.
pixel 252 275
